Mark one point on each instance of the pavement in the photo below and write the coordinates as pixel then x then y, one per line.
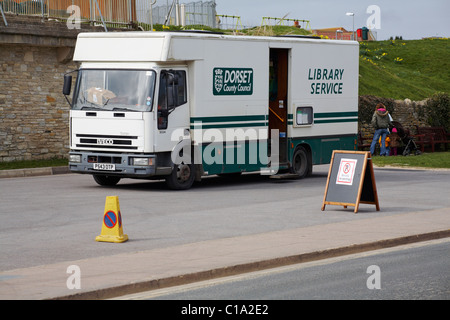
pixel 133 272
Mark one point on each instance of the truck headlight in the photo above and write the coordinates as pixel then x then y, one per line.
pixel 75 158
pixel 142 161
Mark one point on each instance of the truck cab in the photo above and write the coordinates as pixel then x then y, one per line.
pixel 122 121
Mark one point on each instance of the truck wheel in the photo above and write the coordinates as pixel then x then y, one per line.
pixel 106 180
pixel 300 162
pixel 182 177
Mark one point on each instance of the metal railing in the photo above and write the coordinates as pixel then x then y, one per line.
pixel 174 13
pixel 229 22
pixel 114 13
pixel 305 24
pixel 117 13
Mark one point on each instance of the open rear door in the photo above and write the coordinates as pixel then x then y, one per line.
pixel 278 96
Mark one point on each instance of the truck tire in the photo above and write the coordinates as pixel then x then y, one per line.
pixel 106 180
pixel 300 162
pixel 182 177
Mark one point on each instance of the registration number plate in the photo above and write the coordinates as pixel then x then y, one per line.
pixel 104 166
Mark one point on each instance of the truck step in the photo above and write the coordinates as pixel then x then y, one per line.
pixel 284 176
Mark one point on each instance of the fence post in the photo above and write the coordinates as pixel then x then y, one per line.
pixel 3 15
pixel 101 16
pixel 42 9
pixel 151 14
pixel 91 13
pixel 129 11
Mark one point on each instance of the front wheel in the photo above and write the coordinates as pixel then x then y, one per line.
pixel 106 180
pixel 182 177
pixel 300 163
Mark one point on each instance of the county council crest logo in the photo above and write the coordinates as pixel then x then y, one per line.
pixel 232 81
pixel 218 80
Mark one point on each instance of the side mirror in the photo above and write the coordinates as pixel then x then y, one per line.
pixel 67 84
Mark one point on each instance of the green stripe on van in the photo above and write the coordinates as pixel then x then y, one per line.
pixel 330 117
pixel 336 117
pixel 229 118
pixel 336 120
pixel 336 114
pixel 229 121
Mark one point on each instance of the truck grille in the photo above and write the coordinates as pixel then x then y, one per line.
pixel 106 142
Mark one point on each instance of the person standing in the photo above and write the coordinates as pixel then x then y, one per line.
pixel 380 122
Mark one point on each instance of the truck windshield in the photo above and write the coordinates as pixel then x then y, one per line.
pixel 121 90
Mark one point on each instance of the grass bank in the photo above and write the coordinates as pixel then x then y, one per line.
pixel 56 162
pixel 425 160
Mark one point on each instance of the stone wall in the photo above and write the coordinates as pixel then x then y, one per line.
pixel 34 115
pixel 33 112
pixel 409 114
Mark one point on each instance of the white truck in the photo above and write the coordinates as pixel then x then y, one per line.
pixel 182 105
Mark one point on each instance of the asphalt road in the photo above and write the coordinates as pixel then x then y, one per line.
pixel 415 271
pixel 52 219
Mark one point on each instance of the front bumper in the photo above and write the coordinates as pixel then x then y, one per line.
pixel 111 164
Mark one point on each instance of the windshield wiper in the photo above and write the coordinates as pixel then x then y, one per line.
pixel 91 108
pixel 122 109
pixel 105 103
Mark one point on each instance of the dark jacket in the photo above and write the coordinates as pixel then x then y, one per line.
pixel 380 119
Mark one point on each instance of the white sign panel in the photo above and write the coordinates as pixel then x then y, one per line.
pixel 346 172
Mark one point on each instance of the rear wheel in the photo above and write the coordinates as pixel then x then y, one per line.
pixel 106 180
pixel 300 162
pixel 182 177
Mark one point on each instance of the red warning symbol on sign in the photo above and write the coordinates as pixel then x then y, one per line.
pixel 346 172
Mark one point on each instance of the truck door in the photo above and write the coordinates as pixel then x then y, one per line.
pixel 172 112
pixel 278 95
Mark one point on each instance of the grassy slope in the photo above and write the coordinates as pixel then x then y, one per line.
pixel 424 69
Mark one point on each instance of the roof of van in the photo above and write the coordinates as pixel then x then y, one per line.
pixel 166 46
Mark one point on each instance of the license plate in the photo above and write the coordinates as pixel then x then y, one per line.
pixel 104 166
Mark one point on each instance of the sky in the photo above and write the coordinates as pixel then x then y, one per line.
pixel 411 19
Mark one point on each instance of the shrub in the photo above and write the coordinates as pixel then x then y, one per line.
pixel 438 110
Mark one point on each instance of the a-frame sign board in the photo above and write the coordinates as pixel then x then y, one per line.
pixel 351 180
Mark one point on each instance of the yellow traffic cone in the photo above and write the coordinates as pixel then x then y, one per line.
pixel 112 230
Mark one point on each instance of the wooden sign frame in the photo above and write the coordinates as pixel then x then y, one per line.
pixel 351 180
